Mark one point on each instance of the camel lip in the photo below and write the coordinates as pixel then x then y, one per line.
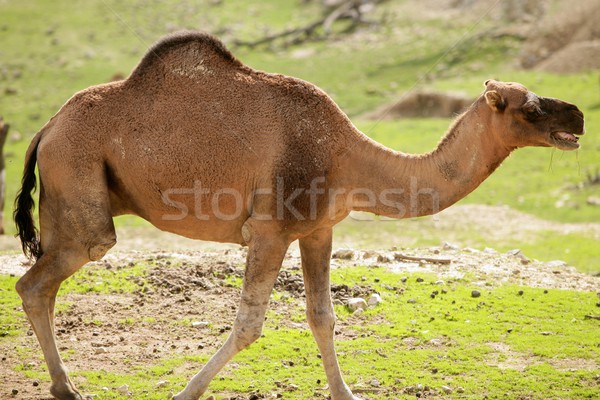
pixel 564 140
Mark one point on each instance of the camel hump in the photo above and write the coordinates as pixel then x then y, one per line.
pixel 182 51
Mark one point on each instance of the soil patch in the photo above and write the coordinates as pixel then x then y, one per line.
pixel 423 104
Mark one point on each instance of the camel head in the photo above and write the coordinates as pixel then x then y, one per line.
pixel 522 118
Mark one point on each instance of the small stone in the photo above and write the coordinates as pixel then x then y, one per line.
pixel 375 383
pixel 520 293
pixel 124 390
pixel 200 324
pixel 160 384
pixel 36 383
pixel 15 392
pixel 356 303
pixel 447 389
pixel 487 250
pixel 420 280
pixel 101 350
pixel 358 312
pixel 475 293
pixel 411 301
pixel 382 258
pixel 449 246
pixel 440 282
pixel 3 334
pixel 344 254
pixel 557 264
pixel 545 333
pixel 460 389
pixel 374 300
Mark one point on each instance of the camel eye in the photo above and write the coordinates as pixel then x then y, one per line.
pixel 532 111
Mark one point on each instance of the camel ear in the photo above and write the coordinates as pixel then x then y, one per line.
pixel 494 100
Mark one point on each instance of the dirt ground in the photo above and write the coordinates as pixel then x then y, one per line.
pixel 195 286
pixel 191 282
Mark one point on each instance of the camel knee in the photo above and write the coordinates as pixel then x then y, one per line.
pixel 321 319
pixel 246 334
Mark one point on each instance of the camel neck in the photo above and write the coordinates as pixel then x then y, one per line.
pixel 400 185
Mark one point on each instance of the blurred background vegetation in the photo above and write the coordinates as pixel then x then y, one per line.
pixel 367 55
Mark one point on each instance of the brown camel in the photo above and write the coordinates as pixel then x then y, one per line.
pixel 203 146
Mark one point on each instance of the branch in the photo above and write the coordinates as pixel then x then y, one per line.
pixel 400 256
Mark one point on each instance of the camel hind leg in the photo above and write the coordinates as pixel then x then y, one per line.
pixel 72 233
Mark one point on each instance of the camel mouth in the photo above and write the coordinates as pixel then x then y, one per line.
pixel 565 140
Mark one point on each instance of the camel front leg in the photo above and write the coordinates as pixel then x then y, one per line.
pixel 316 253
pixel 265 255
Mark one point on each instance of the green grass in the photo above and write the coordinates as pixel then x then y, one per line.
pixel 86 45
pixel 504 344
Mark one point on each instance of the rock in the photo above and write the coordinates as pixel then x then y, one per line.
pixel 200 324
pixel 369 254
pixel 460 389
pixel 520 293
pixel 593 201
pixel 358 312
pixel 545 333
pixel 487 250
pixel 375 383
pixel 15 392
pixel 557 264
pixel 382 258
pixel 411 301
pixel 36 383
pixel 356 303
pixel 160 384
pixel 449 246
pixel 375 300
pixel 344 254
pixel 101 350
pixel 440 282
pixel 124 390
pixel 475 293
pixel 447 389
pixel 420 280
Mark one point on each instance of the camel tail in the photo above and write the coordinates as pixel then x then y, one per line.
pixel 24 204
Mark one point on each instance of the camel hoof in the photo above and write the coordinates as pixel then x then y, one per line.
pixel 66 392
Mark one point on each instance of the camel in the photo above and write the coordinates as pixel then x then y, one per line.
pixel 206 147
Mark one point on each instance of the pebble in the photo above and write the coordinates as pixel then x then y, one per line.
pixel 375 300
pixel 15 392
pixel 449 246
pixel 556 264
pixel 375 383
pixel 420 280
pixel 160 384
pixel 460 389
pixel 475 293
pixel 344 254
pixel 200 324
pixel 356 303
pixel 447 389
pixel 124 390
pixel 101 350
pixel 36 383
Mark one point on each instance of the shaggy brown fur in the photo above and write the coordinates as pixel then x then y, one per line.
pixel 203 146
